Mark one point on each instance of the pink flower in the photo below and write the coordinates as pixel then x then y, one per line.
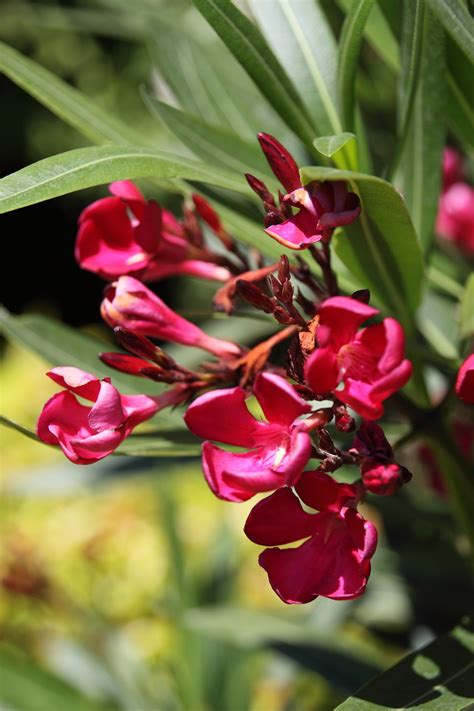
pixel 126 234
pixel 465 381
pixel 89 433
pixel 452 167
pixel 133 307
pixel 279 448
pixel 455 221
pixel 321 206
pixel 368 363
pixel 334 561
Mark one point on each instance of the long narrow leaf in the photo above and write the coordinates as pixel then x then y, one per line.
pixel 412 39
pixel 70 105
pixel 421 161
pixel 87 167
pixel 438 677
pixel 349 48
pixel 301 37
pixel 457 21
pixel 213 144
pixel 251 50
pixel 379 34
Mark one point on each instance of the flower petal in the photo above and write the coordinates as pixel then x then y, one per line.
pixel 222 415
pixel 278 399
pixel 236 477
pixel 77 381
pixel 107 412
pixel 278 519
pixel 321 371
pixel 323 493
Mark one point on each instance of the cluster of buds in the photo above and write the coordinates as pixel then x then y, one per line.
pixel 290 420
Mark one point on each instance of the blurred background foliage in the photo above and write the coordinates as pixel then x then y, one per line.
pixel 126 585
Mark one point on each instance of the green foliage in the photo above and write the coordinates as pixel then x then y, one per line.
pixel 87 167
pixel 438 677
pixel 301 38
pixel 252 51
pixel 466 315
pixel 349 48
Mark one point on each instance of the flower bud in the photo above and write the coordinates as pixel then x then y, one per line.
pixel 383 478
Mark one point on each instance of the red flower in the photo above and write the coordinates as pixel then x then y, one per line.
pixel 321 206
pixel 278 449
pixel 89 433
pixel 128 235
pixel 130 305
pixel 465 381
pixel 334 561
pixel 369 363
pixel 455 221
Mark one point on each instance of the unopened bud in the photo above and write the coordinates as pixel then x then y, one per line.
pixel 280 161
pixel 253 295
pixel 362 295
pixel 383 479
pixel 259 187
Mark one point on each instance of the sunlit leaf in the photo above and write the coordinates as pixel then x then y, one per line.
pixel 66 102
pixel 27 687
pixel 213 144
pixel 249 47
pixel 87 167
pixel 457 21
pixel 425 123
pixel 349 48
pixel 301 38
pixel 437 677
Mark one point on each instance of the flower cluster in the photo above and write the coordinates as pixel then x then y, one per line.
pixel 287 427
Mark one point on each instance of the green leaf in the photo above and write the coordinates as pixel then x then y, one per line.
pixel 27 687
pixel 420 167
pixel 172 443
pixel 329 145
pixel 439 677
pixel 349 48
pixel 86 167
pixel 63 100
pixel 457 22
pixel 379 34
pixel 341 148
pixel 412 40
pixel 206 80
pixel 212 143
pixel 466 313
pixel 301 37
pixel 438 324
pixel 251 50
pixel 58 345
pixel 460 104
pixel 381 248
pixel 344 663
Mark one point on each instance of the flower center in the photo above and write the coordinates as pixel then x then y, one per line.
pixel 357 361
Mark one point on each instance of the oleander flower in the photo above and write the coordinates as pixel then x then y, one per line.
pixel 87 433
pixel 321 206
pixel 130 305
pixel 368 363
pixel 278 449
pixel 464 386
pixel 334 560
pixel 128 235
pixel 455 220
